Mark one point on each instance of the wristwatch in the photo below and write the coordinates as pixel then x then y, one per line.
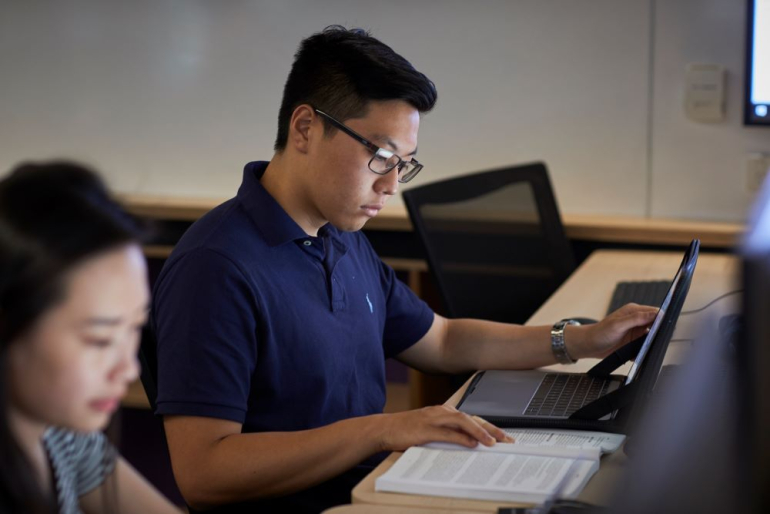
pixel 557 341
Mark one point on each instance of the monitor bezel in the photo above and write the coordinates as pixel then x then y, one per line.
pixel 749 118
pixel 753 352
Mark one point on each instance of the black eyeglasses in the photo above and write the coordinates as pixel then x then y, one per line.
pixel 383 160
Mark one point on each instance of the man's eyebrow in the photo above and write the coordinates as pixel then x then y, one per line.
pixel 389 142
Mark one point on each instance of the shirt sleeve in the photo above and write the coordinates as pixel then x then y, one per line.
pixel 408 317
pixel 205 326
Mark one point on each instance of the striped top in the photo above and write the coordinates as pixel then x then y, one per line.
pixel 79 462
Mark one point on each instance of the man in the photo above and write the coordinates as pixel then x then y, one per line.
pixel 274 316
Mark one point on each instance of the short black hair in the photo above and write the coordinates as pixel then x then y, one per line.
pixel 340 71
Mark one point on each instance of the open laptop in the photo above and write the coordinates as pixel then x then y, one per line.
pixel 595 395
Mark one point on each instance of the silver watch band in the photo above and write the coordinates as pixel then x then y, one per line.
pixel 557 341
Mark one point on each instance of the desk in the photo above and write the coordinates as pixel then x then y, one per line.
pixel 587 293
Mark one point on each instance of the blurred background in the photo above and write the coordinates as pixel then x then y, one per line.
pixel 172 97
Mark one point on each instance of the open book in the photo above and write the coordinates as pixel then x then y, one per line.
pixel 528 471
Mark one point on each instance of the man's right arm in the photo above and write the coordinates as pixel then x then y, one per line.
pixel 215 464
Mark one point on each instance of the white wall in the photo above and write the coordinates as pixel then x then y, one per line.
pixel 173 97
pixel 698 170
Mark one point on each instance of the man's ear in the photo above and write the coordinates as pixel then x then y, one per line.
pixel 300 127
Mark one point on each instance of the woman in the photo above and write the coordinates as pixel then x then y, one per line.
pixel 73 298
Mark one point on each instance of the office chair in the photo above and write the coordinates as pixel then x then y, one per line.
pixel 494 241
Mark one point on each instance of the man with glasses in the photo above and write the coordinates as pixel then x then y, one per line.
pixel 274 316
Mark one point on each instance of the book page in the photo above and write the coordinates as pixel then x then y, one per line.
pixel 521 449
pixel 485 474
pixel 606 442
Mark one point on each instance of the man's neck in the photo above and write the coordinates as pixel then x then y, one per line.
pixel 281 181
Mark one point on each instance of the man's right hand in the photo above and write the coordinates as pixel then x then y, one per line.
pixel 439 423
pixel 216 464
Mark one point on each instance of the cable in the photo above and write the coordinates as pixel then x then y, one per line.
pixel 712 302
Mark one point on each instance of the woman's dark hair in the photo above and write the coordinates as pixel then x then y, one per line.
pixel 53 216
pixel 340 71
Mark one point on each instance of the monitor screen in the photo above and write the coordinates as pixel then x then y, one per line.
pixel 756 110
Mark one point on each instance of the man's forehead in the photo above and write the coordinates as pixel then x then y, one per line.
pixel 386 142
pixel 389 124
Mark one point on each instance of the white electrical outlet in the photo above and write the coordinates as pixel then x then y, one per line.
pixel 757 166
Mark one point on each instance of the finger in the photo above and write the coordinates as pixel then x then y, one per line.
pixel 624 309
pixel 637 319
pixel 474 429
pixel 478 430
pixel 635 307
pixel 463 423
pixel 449 435
pixel 493 430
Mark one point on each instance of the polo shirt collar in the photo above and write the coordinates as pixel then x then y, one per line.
pixel 275 225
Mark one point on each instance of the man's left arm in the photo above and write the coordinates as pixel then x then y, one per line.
pixel 464 345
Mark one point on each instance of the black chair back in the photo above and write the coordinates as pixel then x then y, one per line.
pixel 494 241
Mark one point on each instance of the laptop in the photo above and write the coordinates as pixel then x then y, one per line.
pixel 595 395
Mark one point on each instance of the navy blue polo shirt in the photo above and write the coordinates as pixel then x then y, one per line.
pixel 261 324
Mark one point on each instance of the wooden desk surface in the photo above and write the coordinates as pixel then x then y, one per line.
pixel 362 508
pixel 587 293
pixel 598 228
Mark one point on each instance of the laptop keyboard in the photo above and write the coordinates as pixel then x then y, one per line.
pixel 561 394
pixel 646 292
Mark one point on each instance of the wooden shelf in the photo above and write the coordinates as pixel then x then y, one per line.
pixel 586 227
pixel 136 397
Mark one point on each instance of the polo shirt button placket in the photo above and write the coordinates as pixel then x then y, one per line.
pixel 307 242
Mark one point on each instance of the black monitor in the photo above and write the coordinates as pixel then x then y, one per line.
pixel 704 446
pixel 756 108
pixel 754 356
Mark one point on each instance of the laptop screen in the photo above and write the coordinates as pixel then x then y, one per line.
pixel 669 309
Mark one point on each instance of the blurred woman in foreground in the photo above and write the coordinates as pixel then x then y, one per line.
pixel 73 298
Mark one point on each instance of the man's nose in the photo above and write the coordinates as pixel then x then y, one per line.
pixel 388 183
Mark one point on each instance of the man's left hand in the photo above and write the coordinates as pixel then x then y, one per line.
pixel 619 328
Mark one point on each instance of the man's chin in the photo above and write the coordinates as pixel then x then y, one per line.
pixel 350 225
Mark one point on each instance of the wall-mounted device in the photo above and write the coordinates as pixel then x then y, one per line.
pixel 704 92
